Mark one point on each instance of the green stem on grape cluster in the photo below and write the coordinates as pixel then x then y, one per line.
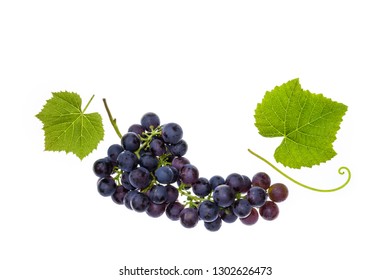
pixel 112 120
pixel 191 200
pixel 341 172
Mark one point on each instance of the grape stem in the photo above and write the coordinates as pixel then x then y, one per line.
pixel 112 120
pixel 341 172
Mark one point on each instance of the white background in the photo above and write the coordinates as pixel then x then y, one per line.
pixel 204 65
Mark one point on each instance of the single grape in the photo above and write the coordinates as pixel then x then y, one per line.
pixel 158 147
pixel 236 181
pixel 252 218
pixel 106 186
pixel 189 174
pixel 173 210
pixel 242 208
pixel 278 192
pixel 103 167
pixel 261 179
pixel 269 211
pixel 155 210
pixel 164 174
pixel 172 193
pixel 150 120
pixel 179 162
pixel 179 149
pixel 214 225
pixel 126 182
pixel 128 197
pixel 158 194
pixel 119 195
pixel 137 129
pixel 216 180
pixel 139 202
pixel 208 211
pixel 130 141
pixel 189 217
pixel 140 178
pixel 247 184
pixel 201 187
pixel 113 151
pixel 257 196
pixel 172 133
pixel 127 161
pixel 227 215
pixel 224 195
pixel 149 161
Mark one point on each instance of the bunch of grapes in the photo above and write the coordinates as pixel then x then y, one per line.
pixel 148 172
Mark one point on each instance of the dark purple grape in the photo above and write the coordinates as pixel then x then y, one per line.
pixel 155 210
pixel 158 194
pixel 127 161
pixel 242 208
pixel 158 147
pixel 269 211
pixel 103 167
pixel 128 197
pixel 106 186
pixel 173 210
pixel 126 182
pixel 214 225
pixel 201 187
pixel 130 141
pixel 164 174
pixel 179 162
pixel 278 192
pixel 179 149
pixel 172 192
pixel 139 202
pixel 189 217
pixel 208 211
pixel 189 174
pixel 224 195
pixel 236 181
pixel 140 178
pixel 216 181
pixel 247 184
pixel 149 161
pixel 137 129
pixel 171 133
pixel 119 195
pixel 227 215
pixel 261 179
pixel 257 196
pixel 252 218
pixel 113 152
pixel 150 120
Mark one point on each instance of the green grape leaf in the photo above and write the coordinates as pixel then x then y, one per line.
pixel 67 127
pixel 307 122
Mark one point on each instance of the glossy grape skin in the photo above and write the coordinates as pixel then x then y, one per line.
pixel 158 194
pixel 155 210
pixel 227 215
pixel 208 211
pixel 128 197
pixel 171 133
pixel 252 218
pixel 214 225
pixel 137 129
pixel 113 151
pixel 257 196
pixel 119 195
pixel 236 181
pixel 158 147
pixel 127 161
pixel 189 217
pixel 173 210
pixel 172 193
pixel 201 187
pixel 140 202
pixel 140 178
pixel 106 186
pixel 242 208
pixel 278 192
pixel 150 120
pixel 261 179
pixel 179 149
pixel 179 162
pixel 189 174
pixel 130 141
pixel 269 211
pixel 103 167
pixel 149 161
pixel 247 184
pixel 164 174
pixel 224 195
pixel 216 180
